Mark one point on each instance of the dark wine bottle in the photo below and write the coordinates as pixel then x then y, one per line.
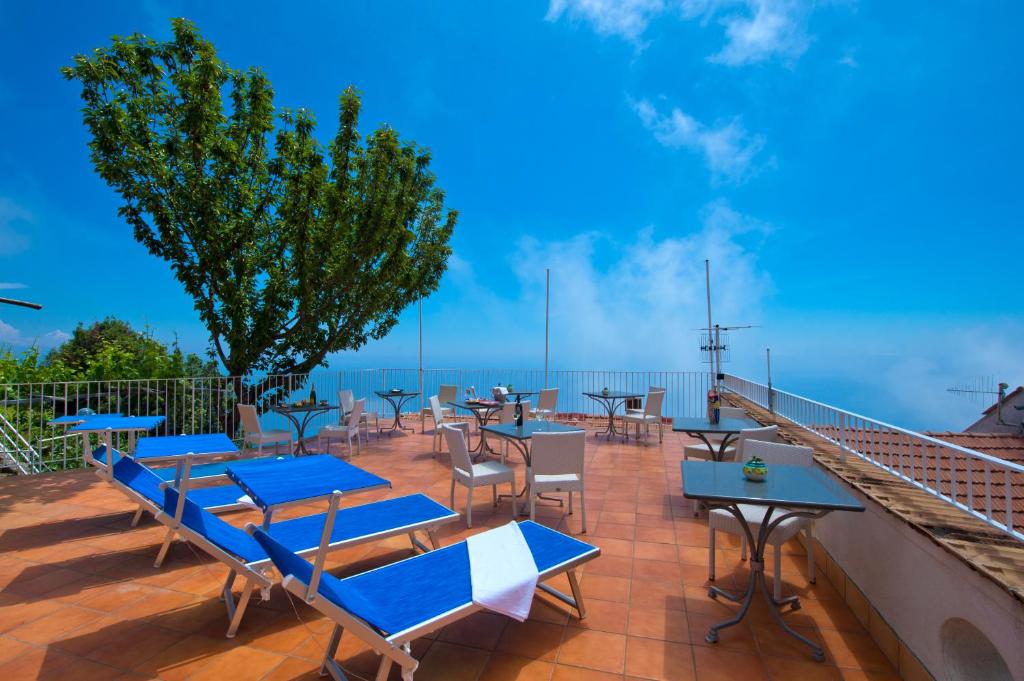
pixel 519 412
pixel 312 394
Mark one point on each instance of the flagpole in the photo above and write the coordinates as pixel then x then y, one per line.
pixel 421 364
pixel 547 321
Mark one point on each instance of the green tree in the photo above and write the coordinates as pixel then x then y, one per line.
pixel 290 250
pixel 113 350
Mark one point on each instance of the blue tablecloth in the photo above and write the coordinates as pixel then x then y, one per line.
pixel 117 423
pixel 78 418
pixel 305 478
pixel 171 446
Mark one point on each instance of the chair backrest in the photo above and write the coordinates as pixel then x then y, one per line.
pixel 656 389
pixel 548 399
pixel 557 453
pixel 767 434
pixel 447 393
pixel 779 453
pixel 345 400
pixel 526 408
pixel 435 410
pixel 457 447
pixel 356 413
pixel 508 413
pixel 655 398
pixel 731 413
pixel 250 419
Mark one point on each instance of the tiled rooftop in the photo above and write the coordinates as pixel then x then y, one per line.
pixel 994 554
pixel 80 597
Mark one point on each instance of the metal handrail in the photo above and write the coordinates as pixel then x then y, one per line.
pixel 17 444
pixel 903 453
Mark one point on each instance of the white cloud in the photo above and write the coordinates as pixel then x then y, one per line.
pixel 11 285
pixel 12 336
pixel 638 304
pixel 849 60
pixel 759 30
pixel 728 149
pixel 9 335
pixel 754 30
pixel 626 18
pixel 12 239
pixel 894 370
pixel 54 338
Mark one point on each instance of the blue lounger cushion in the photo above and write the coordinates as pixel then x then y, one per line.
pixel 146 483
pixel 303 534
pixel 203 470
pixel 218 532
pixel 405 594
pixel 209 470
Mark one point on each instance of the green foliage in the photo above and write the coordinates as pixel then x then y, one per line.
pixel 290 250
pixel 112 350
pixel 28 367
pixel 107 367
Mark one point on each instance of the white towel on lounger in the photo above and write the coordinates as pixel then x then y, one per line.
pixel 502 571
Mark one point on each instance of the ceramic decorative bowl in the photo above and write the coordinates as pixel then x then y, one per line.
pixel 756 470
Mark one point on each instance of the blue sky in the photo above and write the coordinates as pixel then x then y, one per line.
pixel 851 168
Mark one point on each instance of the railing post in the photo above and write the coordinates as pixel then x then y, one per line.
pixel 842 437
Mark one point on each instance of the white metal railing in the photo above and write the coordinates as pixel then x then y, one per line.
pixel 979 483
pixel 207 404
pixel 685 396
pixel 190 405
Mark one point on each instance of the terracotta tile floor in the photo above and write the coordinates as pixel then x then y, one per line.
pixel 79 597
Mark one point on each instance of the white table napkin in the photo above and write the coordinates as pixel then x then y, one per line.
pixel 502 571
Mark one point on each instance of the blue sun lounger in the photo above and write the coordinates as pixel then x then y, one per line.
pixel 143 486
pixel 300 536
pixel 389 607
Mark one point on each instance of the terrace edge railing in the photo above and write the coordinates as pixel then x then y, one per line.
pixel 206 404
pixel 913 457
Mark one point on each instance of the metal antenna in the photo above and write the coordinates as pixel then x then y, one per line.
pixel 978 390
pixel 712 342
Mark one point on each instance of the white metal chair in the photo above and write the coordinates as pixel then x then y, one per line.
pixel 547 404
pixel 440 416
pixel 254 435
pixel 347 427
pixel 507 416
pixel 724 521
pixel 650 389
pixel 445 394
pixel 472 475
pixel 734 451
pixel 726 413
pixel 347 400
pixel 650 415
pixel 556 465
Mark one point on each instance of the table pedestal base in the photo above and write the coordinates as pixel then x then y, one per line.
pixel 757 579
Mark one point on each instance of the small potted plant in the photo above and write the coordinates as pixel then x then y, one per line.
pixel 604 391
pixel 755 469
